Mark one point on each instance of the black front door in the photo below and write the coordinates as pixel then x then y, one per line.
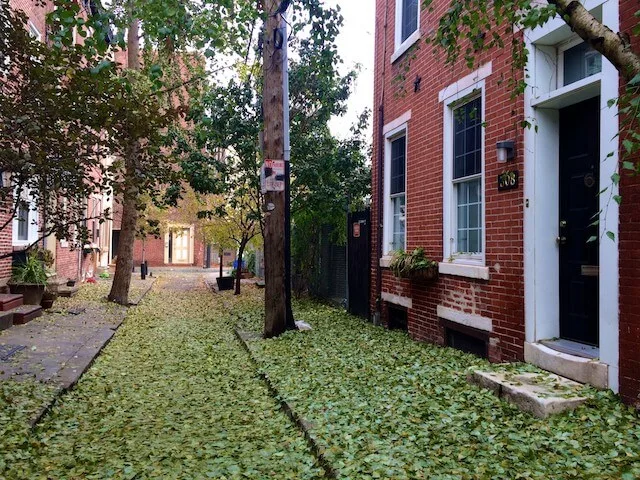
pixel 579 186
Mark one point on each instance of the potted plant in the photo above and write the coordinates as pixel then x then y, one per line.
pixel 29 279
pixel 225 283
pixel 414 265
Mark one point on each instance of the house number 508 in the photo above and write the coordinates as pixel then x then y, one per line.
pixel 508 180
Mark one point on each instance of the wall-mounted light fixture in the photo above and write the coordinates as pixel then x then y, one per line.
pixel 506 151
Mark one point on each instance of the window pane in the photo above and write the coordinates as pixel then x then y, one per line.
pixel 467 148
pixel 23 222
pixel 398 165
pixel 581 62
pixel 409 18
pixel 399 222
pixel 469 211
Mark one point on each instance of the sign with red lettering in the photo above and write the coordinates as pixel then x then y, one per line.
pixel 272 176
pixel 356 230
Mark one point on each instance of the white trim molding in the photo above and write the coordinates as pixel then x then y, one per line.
pixel 449 228
pixel 465 82
pixel 464 270
pixel 397 300
pixel 544 98
pixel 396 123
pixel 400 46
pixel 467 319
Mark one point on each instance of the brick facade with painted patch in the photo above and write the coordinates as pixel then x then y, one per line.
pixel 412 93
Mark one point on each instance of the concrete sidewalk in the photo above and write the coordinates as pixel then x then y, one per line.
pixel 60 346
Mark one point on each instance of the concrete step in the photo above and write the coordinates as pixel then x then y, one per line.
pixel 6 320
pixel 541 394
pixel 66 291
pixel 25 313
pixel 9 301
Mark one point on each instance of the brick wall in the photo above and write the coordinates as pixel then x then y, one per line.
pixel 629 238
pixel 500 298
pixel 154 252
pixel 67 262
pixel 6 237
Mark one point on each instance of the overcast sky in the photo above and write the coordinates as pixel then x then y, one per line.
pixel 355 45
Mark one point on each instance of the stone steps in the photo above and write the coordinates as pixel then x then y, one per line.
pixel 9 301
pixel 14 312
pixel 25 313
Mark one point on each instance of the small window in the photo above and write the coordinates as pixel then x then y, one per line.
pixel 467 176
pixel 580 62
pixel 408 19
pixel 22 218
pixel 397 191
pixel 34 32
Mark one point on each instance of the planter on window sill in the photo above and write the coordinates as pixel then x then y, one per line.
pixel 414 265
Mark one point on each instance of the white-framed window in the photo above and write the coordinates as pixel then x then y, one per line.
pixel 464 180
pixel 25 224
pixel 395 190
pixel 34 32
pixel 577 61
pixel 407 26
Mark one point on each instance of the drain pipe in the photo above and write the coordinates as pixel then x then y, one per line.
pixel 378 313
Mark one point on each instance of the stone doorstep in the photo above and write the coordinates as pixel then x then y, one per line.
pixel 6 320
pixel 583 370
pixel 541 394
pixel 68 292
pixel 9 301
pixel 25 313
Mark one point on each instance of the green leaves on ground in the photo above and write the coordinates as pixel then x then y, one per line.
pixel 383 406
pixel 174 395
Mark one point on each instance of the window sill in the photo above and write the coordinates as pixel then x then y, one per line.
pixel 402 48
pixel 385 261
pixel 464 270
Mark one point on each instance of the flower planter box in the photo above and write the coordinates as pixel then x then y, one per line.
pixel 32 293
pixel 425 274
pixel 225 283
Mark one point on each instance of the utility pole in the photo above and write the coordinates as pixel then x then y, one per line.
pixel 277 251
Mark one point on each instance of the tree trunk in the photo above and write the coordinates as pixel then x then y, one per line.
pixel 124 265
pixel 613 46
pixel 221 252
pixel 243 244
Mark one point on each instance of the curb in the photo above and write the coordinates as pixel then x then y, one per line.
pixel 33 423
pixel 297 420
pixel 143 294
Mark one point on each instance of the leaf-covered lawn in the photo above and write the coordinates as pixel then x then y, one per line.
pixel 174 395
pixel 384 406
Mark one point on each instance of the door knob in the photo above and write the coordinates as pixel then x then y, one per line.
pixel 561 240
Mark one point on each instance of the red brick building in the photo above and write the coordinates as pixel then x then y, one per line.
pixel 506 211
pixel 26 227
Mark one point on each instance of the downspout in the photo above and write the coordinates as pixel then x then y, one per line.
pixel 378 313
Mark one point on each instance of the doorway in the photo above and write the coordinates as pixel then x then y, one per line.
pixel 578 238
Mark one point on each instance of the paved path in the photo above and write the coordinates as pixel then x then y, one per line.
pixel 173 395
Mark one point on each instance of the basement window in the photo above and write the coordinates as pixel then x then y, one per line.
pixel 397 318
pixel 466 339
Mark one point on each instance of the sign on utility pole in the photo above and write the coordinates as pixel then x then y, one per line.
pixel 278 315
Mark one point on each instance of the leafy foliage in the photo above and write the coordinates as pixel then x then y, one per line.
pixel 404 263
pixel 172 396
pixel 32 271
pixel 383 406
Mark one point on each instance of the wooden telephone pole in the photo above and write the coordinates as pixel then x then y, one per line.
pixel 278 314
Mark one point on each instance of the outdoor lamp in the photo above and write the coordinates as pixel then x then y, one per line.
pixel 506 151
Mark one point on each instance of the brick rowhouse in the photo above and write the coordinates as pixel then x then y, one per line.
pixel 510 295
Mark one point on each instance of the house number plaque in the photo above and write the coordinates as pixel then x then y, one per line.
pixel 508 180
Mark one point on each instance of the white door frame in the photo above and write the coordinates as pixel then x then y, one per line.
pixel 541 219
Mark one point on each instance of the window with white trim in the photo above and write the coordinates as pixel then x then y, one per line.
pixel 25 224
pixel 395 190
pixel 467 176
pixel 464 208
pixel 407 25
pixel 34 32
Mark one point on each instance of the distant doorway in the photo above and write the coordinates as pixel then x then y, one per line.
pixel 179 246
